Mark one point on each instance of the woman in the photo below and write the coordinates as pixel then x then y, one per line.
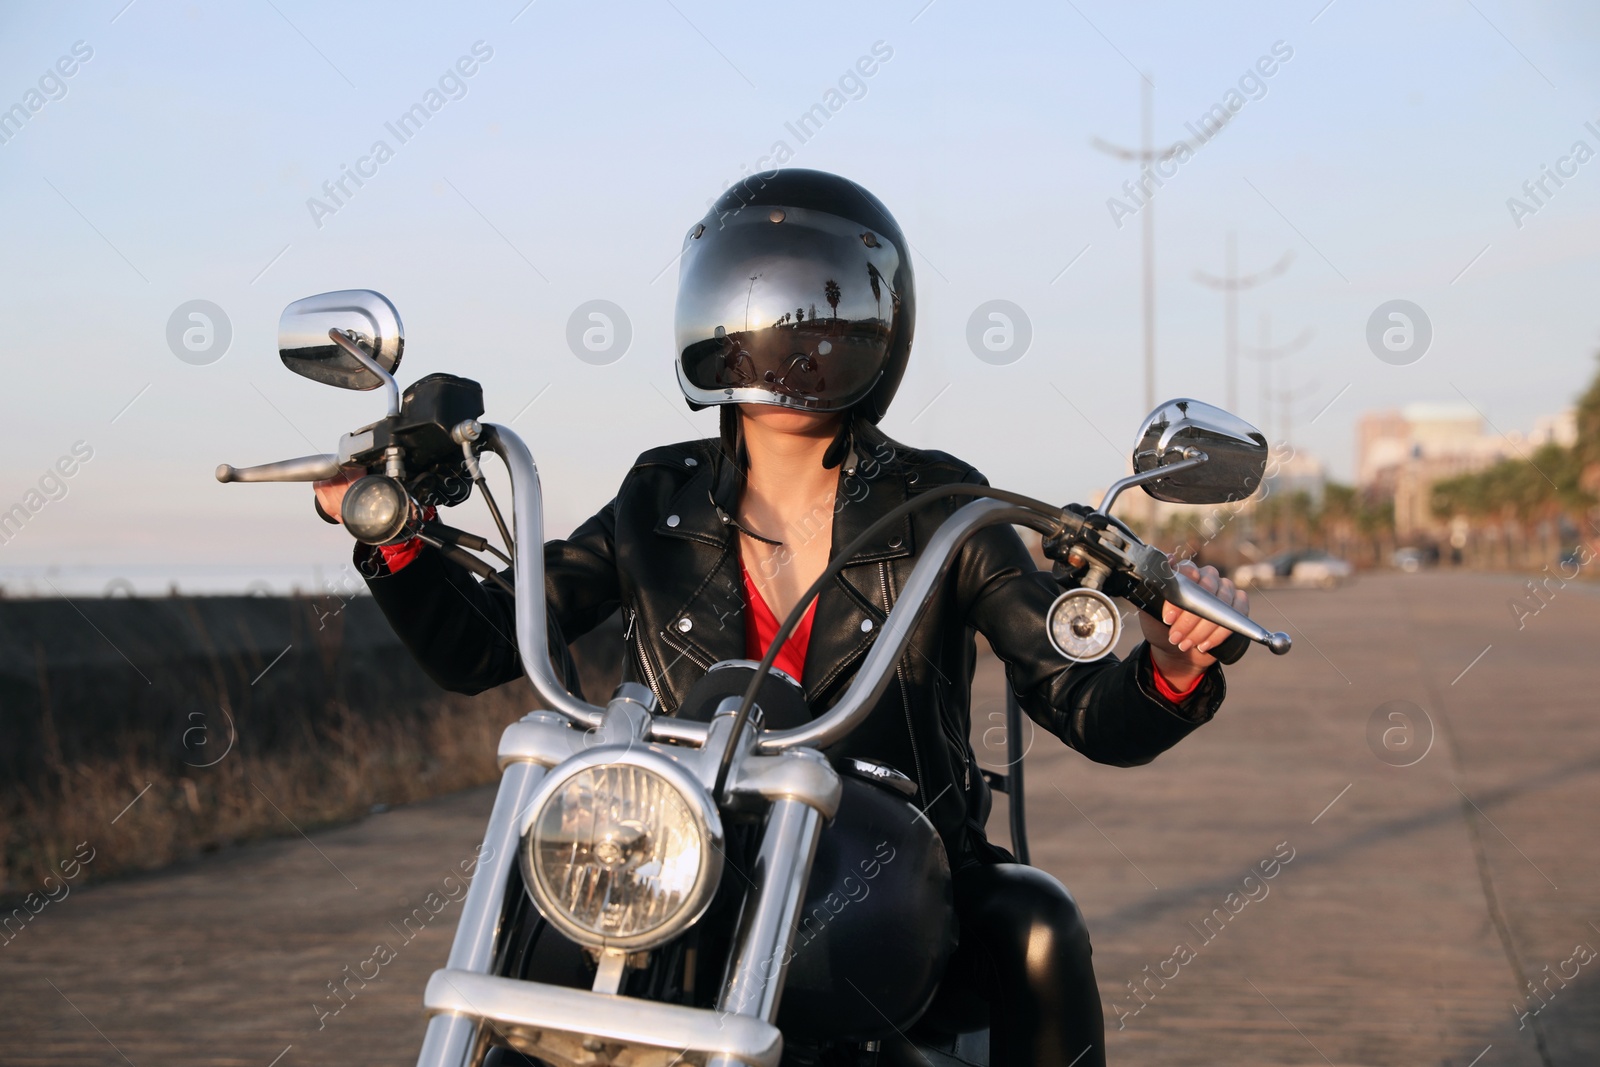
pixel 708 544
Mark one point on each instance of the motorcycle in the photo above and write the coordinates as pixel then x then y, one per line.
pixel 711 887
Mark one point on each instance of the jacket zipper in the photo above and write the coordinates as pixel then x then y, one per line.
pixel 958 745
pixel 644 657
pixel 900 679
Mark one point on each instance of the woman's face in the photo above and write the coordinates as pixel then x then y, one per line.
pixel 790 421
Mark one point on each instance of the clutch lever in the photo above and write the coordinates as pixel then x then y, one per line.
pixel 304 469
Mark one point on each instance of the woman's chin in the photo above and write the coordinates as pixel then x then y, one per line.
pixel 790 420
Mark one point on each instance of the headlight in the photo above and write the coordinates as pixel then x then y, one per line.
pixel 623 850
pixel 1083 624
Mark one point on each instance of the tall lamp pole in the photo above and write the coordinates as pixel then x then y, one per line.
pixel 1286 399
pixel 1145 155
pixel 1266 354
pixel 1232 284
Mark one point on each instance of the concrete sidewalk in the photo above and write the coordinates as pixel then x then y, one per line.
pixel 1406 910
pixel 1420 900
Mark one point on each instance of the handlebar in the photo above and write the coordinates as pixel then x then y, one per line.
pixel 878 667
pixel 527 528
pixel 533 624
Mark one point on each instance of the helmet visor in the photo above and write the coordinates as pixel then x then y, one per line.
pixel 785 306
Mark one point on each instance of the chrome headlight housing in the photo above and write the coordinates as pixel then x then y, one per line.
pixel 622 848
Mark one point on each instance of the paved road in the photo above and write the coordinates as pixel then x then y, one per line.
pixel 1417 903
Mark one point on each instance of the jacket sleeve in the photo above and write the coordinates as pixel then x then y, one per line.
pixel 1109 710
pixel 463 631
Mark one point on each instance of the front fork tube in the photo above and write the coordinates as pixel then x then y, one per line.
pixel 454 1040
pixel 767 922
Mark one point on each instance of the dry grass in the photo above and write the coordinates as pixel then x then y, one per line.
pixel 313 738
pixel 355 763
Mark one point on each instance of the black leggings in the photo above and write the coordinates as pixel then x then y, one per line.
pixel 1025 950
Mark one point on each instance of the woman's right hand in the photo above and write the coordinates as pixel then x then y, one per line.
pixel 330 492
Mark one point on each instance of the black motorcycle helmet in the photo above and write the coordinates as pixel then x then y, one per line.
pixel 795 290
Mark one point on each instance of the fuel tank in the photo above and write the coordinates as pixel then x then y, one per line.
pixel 878 924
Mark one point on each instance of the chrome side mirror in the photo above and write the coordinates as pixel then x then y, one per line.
pixel 351 339
pixel 1180 431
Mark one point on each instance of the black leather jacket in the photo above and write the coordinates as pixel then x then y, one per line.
pixel 662 554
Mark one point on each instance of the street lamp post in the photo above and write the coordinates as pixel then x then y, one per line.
pixel 1232 284
pixel 1145 155
pixel 1266 354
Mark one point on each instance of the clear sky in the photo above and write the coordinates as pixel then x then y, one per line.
pixel 176 161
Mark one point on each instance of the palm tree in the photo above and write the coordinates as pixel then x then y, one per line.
pixel 1587 448
pixel 830 289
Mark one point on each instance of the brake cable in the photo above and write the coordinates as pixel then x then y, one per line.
pixel 840 560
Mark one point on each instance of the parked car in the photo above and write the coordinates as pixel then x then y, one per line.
pixel 1412 558
pixel 1300 567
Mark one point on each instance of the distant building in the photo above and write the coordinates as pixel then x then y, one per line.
pixel 1400 454
pixel 1291 471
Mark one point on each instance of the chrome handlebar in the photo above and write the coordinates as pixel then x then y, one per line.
pixel 878 666
pixel 527 529
pixel 532 621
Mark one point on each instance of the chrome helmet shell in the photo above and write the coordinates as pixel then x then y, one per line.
pixel 795 290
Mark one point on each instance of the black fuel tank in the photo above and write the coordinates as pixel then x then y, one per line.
pixel 878 923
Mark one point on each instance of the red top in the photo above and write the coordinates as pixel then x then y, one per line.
pixel 761 626
pixel 395 557
pixel 1167 689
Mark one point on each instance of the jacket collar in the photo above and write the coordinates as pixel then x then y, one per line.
pixel 872 482
pixel 850 609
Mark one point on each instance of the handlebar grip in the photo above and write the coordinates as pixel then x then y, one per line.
pixel 1230 651
pixel 303 469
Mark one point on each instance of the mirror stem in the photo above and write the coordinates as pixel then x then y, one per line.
pixel 1187 463
pixel 354 350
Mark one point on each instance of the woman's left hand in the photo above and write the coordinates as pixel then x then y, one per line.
pixel 1180 641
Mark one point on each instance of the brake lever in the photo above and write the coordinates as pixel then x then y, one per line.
pixel 1144 576
pixel 1155 573
pixel 1229 652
